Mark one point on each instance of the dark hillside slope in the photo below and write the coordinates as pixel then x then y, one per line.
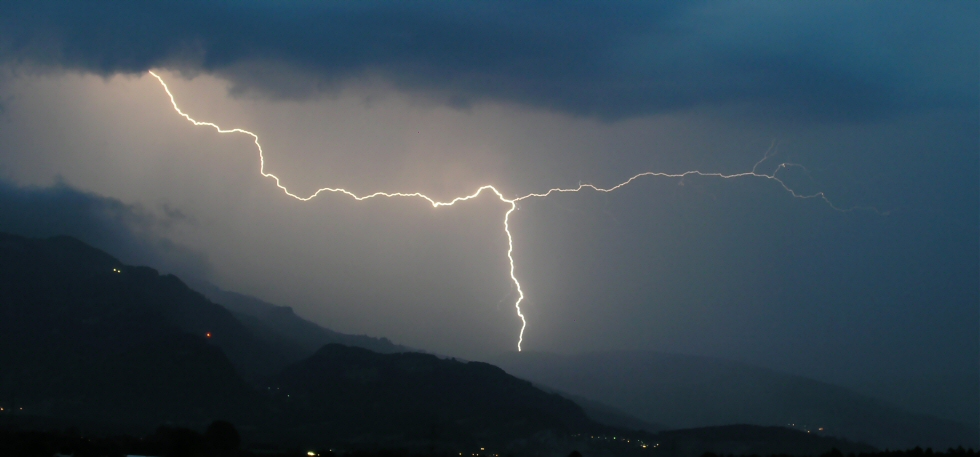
pixel 608 415
pixel 66 279
pixel 83 337
pixel 355 394
pixel 280 323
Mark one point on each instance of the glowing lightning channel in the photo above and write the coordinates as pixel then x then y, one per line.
pixel 435 204
pixel 511 202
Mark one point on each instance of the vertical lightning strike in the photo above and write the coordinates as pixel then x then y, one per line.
pixel 512 202
pixel 513 277
pixel 434 203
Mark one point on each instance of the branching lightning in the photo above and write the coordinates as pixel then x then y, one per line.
pixel 512 202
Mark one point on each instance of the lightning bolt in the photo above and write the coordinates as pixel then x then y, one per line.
pixel 512 202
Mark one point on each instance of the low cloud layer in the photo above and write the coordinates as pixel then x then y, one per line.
pixel 128 232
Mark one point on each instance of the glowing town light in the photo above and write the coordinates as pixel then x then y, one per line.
pixel 511 202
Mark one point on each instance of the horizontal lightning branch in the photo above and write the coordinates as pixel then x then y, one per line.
pixel 512 203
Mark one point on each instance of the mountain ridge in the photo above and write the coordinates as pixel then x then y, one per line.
pixel 86 338
pixel 281 322
pixel 691 391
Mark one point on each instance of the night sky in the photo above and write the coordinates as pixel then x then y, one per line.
pixel 880 101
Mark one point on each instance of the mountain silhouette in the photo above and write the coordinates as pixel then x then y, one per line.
pixel 688 391
pixel 85 339
pixel 342 391
pixel 83 336
pixel 279 323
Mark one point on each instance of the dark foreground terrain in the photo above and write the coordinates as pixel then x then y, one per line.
pixel 220 439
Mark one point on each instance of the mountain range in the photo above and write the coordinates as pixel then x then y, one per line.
pixel 683 391
pixel 85 339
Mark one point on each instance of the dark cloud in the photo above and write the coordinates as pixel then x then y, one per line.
pixel 837 61
pixel 128 232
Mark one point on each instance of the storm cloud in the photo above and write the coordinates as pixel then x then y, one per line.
pixel 827 61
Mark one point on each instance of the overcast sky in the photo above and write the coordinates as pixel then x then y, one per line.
pixel 879 100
